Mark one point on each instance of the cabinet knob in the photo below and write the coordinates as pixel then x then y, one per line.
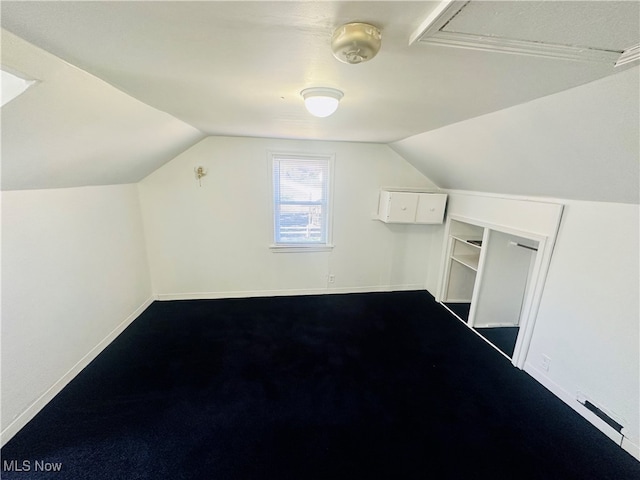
pixel 403 208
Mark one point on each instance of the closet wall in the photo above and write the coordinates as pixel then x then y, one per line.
pixel 507 271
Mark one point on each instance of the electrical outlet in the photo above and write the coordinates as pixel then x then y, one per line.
pixel 545 363
pixel 332 278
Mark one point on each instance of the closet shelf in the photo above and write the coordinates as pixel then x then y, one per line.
pixel 470 261
pixel 469 241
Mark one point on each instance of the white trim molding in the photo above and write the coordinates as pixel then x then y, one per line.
pixel 438 18
pixel 300 248
pixel 571 401
pixel 631 54
pixel 631 448
pixel 431 32
pixel 521 47
pixel 286 293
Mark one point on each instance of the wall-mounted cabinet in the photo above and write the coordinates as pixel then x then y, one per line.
pixel 411 207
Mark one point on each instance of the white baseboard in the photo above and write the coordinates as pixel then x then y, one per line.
pixel 631 448
pixel 571 400
pixel 32 410
pixel 284 292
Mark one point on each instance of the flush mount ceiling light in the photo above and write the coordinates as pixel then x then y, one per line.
pixel 356 42
pixel 321 101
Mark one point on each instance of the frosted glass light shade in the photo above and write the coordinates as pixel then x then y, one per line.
pixel 321 102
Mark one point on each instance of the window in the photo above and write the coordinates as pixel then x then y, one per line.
pixel 301 207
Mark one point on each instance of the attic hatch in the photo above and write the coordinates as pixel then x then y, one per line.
pixel 12 86
pixel 579 31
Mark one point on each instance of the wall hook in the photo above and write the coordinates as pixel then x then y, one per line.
pixel 200 172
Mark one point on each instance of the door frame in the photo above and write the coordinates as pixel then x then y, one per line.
pixel 533 292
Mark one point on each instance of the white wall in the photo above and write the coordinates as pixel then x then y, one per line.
pixel 588 319
pixel 74 273
pixel 213 240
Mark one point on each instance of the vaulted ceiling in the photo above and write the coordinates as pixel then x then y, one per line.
pixel 72 129
pixel 124 86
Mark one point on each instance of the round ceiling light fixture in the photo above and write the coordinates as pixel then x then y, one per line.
pixel 356 42
pixel 321 101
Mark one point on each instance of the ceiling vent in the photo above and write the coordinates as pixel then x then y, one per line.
pixel 356 42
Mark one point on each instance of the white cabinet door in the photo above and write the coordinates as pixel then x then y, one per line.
pixel 397 207
pixel 430 207
pixel 402 207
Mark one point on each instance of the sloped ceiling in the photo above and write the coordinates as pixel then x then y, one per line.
pixel 236 68
pixel 582 144
pixel 73 129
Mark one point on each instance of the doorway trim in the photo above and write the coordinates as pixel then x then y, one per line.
pixel 534 290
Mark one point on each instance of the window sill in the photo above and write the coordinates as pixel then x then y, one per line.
pixel 300 248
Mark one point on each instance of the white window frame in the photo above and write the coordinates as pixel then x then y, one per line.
pixel 325 246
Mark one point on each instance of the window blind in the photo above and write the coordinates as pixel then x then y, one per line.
pixel 300 200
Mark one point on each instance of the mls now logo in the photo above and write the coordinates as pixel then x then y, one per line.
pixel 27 466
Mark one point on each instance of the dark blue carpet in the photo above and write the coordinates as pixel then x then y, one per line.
pixel 366 386
pixel 504 338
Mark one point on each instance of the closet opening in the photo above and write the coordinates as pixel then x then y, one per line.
pixel 488 281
